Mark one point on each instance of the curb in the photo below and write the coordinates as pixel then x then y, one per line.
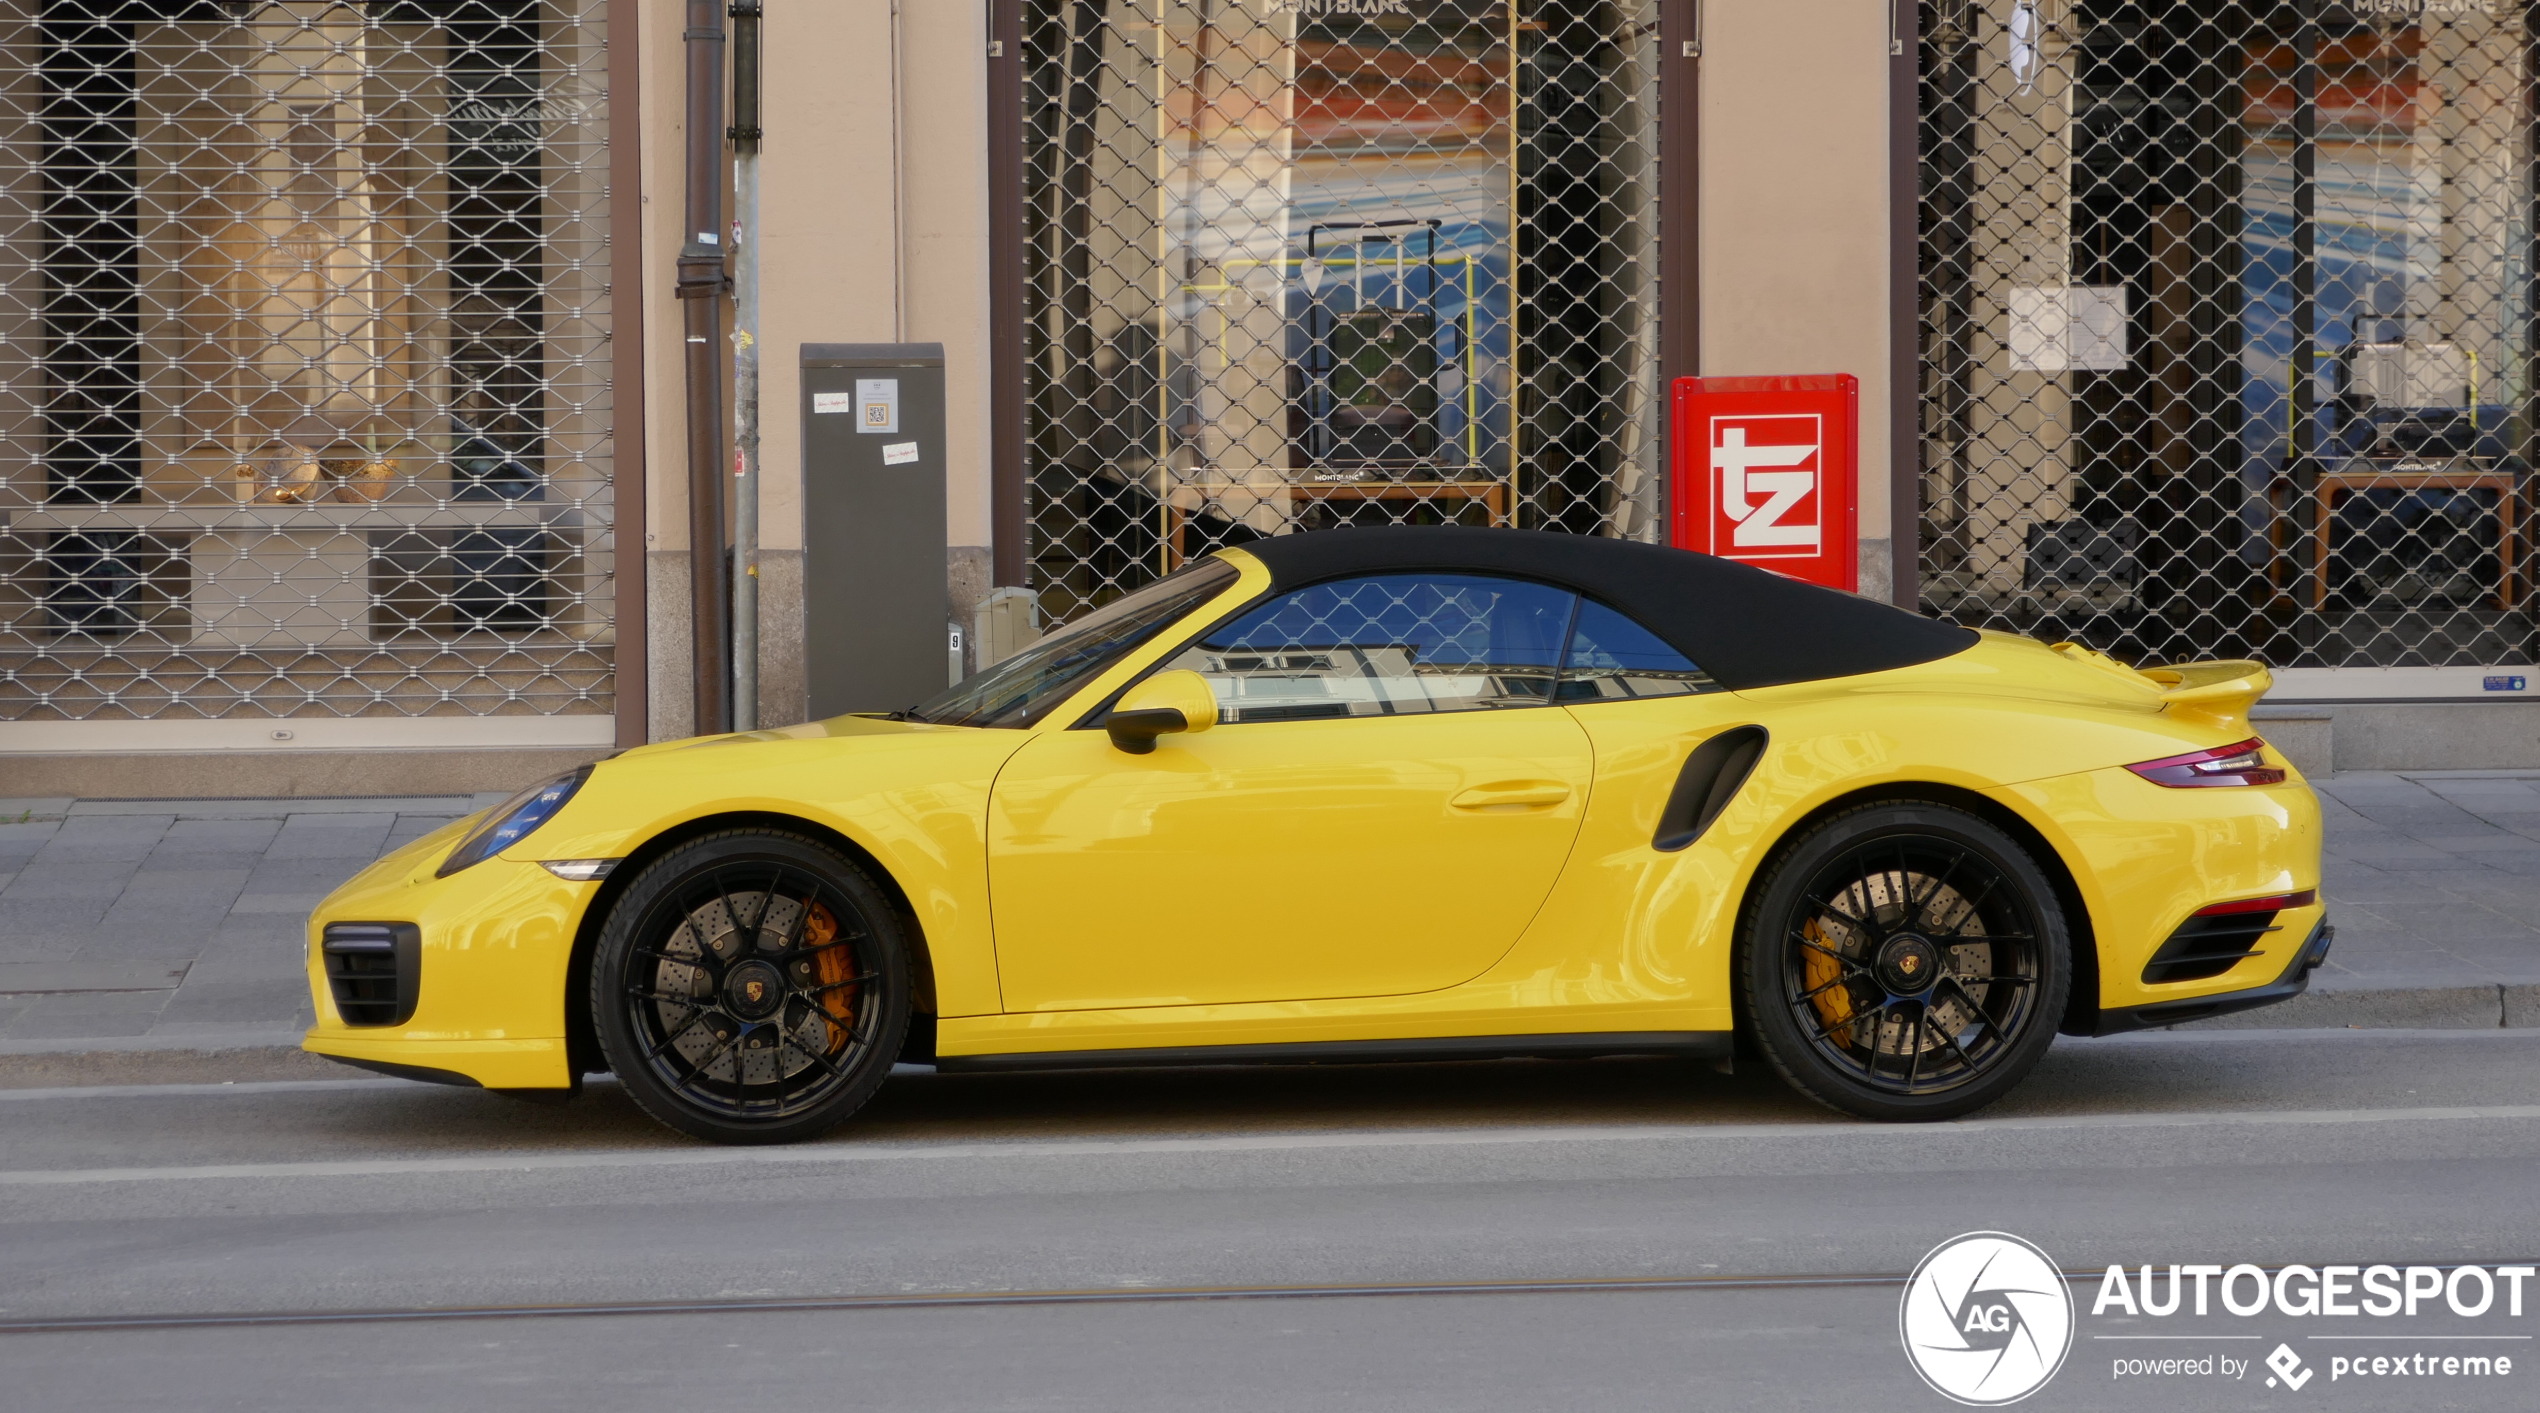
pixel 203 1043
pixel 2484 1007
pixel 165 1064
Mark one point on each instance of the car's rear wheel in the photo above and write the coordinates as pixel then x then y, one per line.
pixel 1904 961
pixel 751 987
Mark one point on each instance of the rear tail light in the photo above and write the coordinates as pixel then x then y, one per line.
pixel 2242 764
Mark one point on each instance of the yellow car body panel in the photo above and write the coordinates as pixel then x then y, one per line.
pixel 497 940
pixel 913 797
pixel 1173 878
pixel 1016 850
pixel 2145 859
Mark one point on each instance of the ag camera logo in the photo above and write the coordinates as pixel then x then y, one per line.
pixel 1986 1319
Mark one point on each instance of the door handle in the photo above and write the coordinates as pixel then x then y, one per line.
pixel 1512 794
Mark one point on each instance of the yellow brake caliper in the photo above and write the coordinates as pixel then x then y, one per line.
pixel 833 966
pixel 1819 969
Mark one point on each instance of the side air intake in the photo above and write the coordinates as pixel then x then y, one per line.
pixel 1711 777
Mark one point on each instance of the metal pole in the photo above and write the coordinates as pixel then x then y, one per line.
pixel 2301 390
pixel 702 286
pixel 2302 382
pixel 899 195
pixel 745 352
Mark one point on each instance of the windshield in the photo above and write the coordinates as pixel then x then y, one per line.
pixel 1022 689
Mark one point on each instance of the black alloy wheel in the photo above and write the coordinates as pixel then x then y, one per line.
pixel 751 987
pixel 1904 961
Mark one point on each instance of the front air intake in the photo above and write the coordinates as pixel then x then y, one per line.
pixel 373 968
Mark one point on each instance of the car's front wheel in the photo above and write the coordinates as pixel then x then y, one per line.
pixel 1904 961
pixel 751 987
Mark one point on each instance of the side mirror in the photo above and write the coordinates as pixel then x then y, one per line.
pixel 1162 705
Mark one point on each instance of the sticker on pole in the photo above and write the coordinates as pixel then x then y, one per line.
pixel 1766 471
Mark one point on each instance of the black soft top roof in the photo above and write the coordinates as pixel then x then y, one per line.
pixel 1742 625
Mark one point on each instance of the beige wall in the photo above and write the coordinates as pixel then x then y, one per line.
pixel 848 257
pixel 828 243
pixel 665 439
pixel 1795 208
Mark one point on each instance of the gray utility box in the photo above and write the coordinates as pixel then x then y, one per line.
pixel 875 596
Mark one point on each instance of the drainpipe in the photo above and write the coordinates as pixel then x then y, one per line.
pixel 702 285
pixel 745 351
pixel 899 220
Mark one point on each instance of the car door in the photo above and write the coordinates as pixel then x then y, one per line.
pixel 1385 802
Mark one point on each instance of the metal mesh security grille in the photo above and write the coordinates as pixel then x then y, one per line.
pixel 303 359
pixel 1303 263
pixel 2227 326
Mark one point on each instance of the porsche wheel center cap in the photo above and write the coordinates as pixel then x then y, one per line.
pixel 1908 963
pixel 754 990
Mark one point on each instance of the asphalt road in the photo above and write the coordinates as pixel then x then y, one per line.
pixel 1613 1234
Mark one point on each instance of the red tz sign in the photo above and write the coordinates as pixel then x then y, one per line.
pixel 1765 473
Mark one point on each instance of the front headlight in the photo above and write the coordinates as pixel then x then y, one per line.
pixel 513 820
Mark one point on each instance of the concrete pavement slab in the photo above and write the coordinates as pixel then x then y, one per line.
pixel 25 809
pixel 297 904
pixel 90 976
pixel 452 805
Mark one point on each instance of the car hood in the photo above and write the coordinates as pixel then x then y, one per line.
pixel 826 771
pixel 834 728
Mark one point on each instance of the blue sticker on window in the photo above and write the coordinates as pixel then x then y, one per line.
pixel 2505 684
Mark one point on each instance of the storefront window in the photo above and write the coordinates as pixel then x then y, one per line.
pixel 2227 326
pixel 303 361
pixel 1298 263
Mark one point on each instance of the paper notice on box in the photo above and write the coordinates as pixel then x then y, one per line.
pixel 878 404
pixel 898 453
pixel 833 402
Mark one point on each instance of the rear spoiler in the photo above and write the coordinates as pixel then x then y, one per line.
pixel 2216 693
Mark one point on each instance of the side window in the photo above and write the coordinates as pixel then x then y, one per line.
pixel 1614 659
pixel 1387 645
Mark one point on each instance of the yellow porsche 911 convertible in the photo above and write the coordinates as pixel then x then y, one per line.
pixel 1365 794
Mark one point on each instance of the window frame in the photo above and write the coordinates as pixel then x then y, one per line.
pixel 1570 644
pixel 1056 703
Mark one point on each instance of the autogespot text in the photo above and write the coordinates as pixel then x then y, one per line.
pixel 2302 1291
pixel 2321 1292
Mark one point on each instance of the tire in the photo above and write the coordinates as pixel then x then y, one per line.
pixel 751 987
pixel 1903 962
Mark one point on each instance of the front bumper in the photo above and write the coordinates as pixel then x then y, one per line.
pixel 2295 980
pixel 496 945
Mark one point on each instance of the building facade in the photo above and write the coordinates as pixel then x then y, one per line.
pixel 343 414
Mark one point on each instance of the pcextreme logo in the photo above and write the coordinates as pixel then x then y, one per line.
pixel 1986 1319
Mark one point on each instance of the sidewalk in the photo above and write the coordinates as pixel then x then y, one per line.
pixel 178 924
pixel 2433 881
